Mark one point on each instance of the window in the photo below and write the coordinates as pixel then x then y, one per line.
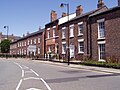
pixel 49 49
pixel 63 32
pixel 71 30
pixel 39 40
pixel 22 43
pixel 38 50
pixel 25 43
pixel 81 47
pixel 28 42
pixel 63 48
pixel 18 44
pixel 54 31
pixel 48 34
pixel 101 28
pixel 34 41
pixel 101 52
pixel 24 52
pixel 80 29
pixel 31 41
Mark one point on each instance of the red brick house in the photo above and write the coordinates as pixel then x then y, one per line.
pixel 31 44
pixel 94 35
pixel 78 34
pixel 52 32
pixel 105 34
pixel 51 35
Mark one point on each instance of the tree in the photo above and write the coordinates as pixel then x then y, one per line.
pixel 5 46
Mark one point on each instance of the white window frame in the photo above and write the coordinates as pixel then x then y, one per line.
pixel 28 42
pixel 31 42
pixel 38 39
pixel 63 32
pixel 99 34
pixel 79 24
pixel 80 41
pixel 71 30
pixel 25 43
pixel 48 33
pixel 54 31
pixel 35 41
pixel 100 43
pixel 38 50
pixel 63 51
pixel 49 48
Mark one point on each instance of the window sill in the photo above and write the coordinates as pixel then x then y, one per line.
pixel 101 60
pixel 63 37
pixel 71 36
pixel 63 53
pixel 101 38
pixel 80 52
pixel 80 34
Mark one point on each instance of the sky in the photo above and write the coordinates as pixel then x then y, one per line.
pixel 24 16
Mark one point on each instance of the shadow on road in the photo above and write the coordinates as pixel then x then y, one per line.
pixel 68 79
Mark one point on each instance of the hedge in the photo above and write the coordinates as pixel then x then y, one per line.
pixel 101 64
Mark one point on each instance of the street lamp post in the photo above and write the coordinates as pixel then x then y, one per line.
pixel 7 27
pixel 68 48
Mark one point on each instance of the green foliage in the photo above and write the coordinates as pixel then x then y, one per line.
pixel 5 46
pixel 101 64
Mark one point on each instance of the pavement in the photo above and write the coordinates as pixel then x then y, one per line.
pixel 78 66
pixel 73 65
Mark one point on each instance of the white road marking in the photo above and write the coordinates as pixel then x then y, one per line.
pixel 31 78
pixel 28 72
pixel 25 67
pixel 19 66
pixel 23 73
pixel 19 84
pixel 45 84
pixel 33 89
pixel 34 72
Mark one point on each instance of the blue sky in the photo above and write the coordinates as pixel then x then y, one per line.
pixel 24 16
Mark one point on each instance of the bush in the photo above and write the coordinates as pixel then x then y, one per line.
pixel 101 64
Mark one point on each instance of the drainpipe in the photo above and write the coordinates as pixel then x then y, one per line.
pixel 87 28
pixel 90 37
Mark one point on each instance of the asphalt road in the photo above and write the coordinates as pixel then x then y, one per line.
pixel 33 75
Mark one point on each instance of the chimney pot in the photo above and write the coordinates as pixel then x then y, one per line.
pixel 100 4
pixel 64 14
pixel 79 10
pixel 53 15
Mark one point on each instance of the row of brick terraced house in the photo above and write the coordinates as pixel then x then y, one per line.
pixel 95 34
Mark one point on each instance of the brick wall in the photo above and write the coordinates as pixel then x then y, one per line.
pixel 112 34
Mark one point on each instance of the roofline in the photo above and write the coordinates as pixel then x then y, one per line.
pixel 109 10
pixel 32 34
pixel 57 20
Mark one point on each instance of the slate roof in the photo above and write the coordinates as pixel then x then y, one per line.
pixel 108 10
pixel 30 35
pixel 104 8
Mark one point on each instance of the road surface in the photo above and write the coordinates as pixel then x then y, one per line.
pixel 34 75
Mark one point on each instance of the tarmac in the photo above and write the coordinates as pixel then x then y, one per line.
pixel 73 65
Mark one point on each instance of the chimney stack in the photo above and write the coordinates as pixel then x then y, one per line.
pixel 53 15
pixel 79 10
pixel 100 4
pixel 118 2
pixel 12 34
pixel 64 14
pixel 28 33
pixel 23 35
